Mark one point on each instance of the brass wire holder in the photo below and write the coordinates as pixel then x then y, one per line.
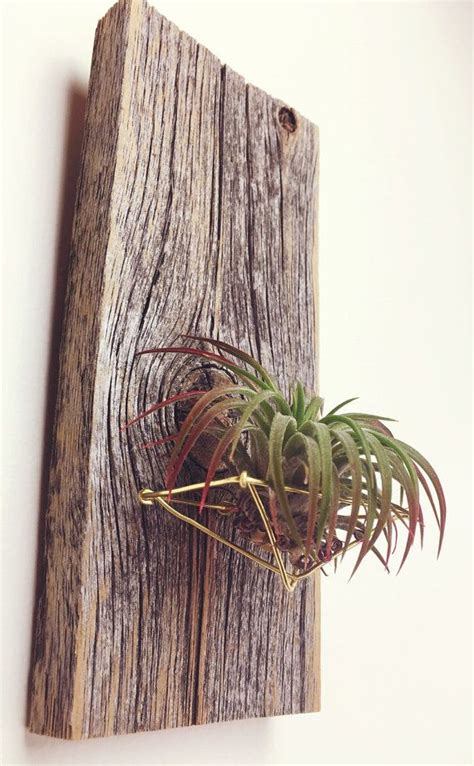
pixel 289 579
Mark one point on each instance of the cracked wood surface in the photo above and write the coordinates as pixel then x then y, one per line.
pixel 196 212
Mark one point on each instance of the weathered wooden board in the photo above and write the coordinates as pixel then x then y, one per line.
pixel 196 212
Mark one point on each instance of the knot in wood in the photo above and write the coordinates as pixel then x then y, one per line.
pixel 287 119
pixel 204 377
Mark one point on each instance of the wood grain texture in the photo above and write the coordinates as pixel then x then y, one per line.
pixel 196 212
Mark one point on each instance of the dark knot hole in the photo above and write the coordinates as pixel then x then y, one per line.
pixel 287 119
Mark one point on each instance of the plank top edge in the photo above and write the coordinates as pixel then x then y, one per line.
pixel 136 8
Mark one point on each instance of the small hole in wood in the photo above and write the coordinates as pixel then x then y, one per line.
pixel 287 119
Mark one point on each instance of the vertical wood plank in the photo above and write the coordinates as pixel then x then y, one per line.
pixel 196 212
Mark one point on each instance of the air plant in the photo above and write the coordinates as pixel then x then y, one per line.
pixel 355 482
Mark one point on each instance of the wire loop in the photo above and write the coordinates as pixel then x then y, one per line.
pixel 289 579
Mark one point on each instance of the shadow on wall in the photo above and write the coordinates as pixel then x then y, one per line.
pixel 75 106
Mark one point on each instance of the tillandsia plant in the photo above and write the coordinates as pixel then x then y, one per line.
pixel 355 482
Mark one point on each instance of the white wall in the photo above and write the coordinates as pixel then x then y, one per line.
pixel 389 86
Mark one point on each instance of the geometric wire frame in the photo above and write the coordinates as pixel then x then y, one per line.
pixel 289 579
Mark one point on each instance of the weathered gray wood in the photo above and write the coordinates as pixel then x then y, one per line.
pixel 196 212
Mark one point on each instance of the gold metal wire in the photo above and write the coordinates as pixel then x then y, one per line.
pixel 289 579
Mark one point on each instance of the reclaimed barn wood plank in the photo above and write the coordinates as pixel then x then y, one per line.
pixel 196 213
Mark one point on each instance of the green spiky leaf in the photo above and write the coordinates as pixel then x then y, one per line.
pixel 348 467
